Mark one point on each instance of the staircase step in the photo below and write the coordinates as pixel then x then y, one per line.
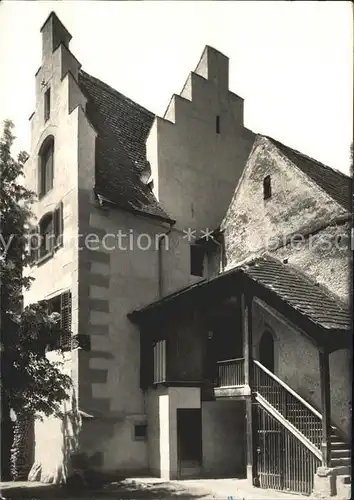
pixel 338 445
pixel 340 462
pixel 341 453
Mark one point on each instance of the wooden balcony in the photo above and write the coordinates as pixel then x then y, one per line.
pixel 231 378
pixel 226 378
pixel 231 373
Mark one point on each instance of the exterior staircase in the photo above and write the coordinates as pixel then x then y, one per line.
pixel 340 451
pixel 300 427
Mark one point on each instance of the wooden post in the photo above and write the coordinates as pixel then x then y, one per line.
pixel 325 407
pixel 246 309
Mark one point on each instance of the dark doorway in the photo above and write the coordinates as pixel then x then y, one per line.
pixel 266 351
pixel 189 439
pixel 227 333
pixel 224 338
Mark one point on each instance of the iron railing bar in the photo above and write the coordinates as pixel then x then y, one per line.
pixel 289 426
pixel 292 392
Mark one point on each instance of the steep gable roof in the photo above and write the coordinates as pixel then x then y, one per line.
pixel 334 183
pixel 123 127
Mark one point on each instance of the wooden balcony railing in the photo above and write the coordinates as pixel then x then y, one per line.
pixel 231 373
pixel 159 362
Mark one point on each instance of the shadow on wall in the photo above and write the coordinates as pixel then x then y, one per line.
pixel 70 429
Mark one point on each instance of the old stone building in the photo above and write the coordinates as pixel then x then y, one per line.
pixel 146 223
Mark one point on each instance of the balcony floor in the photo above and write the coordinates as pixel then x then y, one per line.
pixel 232 391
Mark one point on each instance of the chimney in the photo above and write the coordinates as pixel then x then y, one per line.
pixel 54 33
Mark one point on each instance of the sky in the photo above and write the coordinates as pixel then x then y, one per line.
pixel 292 61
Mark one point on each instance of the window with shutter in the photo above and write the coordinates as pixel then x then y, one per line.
pixel 65 320
pixel 47 237
pixel 62 304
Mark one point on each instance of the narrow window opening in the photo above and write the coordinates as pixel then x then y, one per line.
pixel 46 169
pixel 47 105
pixel 197 260
pixel 218 124
pixel 267 187
pixel 58 225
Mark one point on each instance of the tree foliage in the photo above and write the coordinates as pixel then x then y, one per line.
pixel 30 383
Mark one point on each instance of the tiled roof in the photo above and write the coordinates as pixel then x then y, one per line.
pixel 286 282
pixel 333 182
pixel 301 293
pixel 123 127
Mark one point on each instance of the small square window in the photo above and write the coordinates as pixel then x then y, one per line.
pixel 47 105
pixel 140 432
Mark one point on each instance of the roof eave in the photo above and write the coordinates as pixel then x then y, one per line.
pixel 105 201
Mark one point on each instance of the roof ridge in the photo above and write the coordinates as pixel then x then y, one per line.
pixel 307 157
pixel 114 92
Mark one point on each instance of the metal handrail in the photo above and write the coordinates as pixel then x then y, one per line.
pixel 291 391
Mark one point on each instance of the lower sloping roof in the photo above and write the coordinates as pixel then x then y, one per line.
pixel 299 291
pixel 290 285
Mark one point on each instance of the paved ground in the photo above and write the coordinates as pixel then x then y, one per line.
pixel 132 489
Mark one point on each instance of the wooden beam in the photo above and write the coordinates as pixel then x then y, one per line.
pixel 325 407
pixel 246 311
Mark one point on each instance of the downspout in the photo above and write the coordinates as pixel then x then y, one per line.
pixel 160 261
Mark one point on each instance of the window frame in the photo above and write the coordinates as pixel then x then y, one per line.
pixel 46 167
pixel 46 229
pixel 56 234
pixel 140 424
pixel 63 302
